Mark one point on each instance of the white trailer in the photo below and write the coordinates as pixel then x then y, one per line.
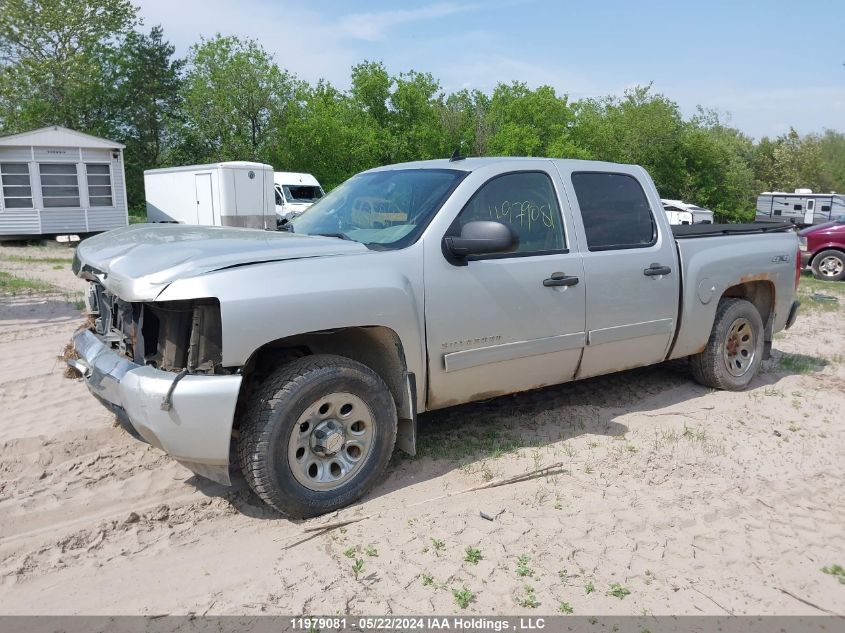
pixel 680 212
pixel 235 193
pixel 802 207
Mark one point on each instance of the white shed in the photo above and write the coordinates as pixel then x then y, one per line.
pixel 58 181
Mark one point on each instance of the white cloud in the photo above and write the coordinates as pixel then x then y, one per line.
pixel 374 26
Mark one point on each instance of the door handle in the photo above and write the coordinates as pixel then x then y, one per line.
pixel 656 269
pixel 560 279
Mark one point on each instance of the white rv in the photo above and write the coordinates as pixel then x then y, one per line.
pixel 802 207
pixel 295 192
pixel 680 212
pixel 234 193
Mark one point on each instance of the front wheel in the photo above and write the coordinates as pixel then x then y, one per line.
pixel 734 351
pixel 829 265
pixel 317 435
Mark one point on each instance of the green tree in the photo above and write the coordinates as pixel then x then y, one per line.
pixel 527 122
pixel 234 96
pixel 642 127
pixel 464 117
pixel 790 162
pixel 416 103
pixel 717 171
pixel 327 134
pixel 832 153
pixel 54 59
pixel 147 88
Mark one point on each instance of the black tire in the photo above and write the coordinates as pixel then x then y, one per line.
pixel 272 414
pixel 710 367
pixel 821 265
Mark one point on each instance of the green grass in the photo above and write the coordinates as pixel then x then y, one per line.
pixel 137 216
pixel 23 259
pixel 801 363
pixel 11 284
pixel 357 567
pixel 472 555
pixel 350 553
pixel 529 598
pixel 371 551
pixel 522 567
pixel 809 283
pixel 589 587
pixel 565 607
pixel 463 596
pixel 618 591
pixel 836 571
pixel 444 441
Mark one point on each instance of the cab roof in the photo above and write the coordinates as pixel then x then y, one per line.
pixel 473 164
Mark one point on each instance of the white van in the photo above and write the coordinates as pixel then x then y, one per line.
pixel 295 192
pixel 235 193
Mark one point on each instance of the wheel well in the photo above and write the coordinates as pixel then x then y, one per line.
pixel 826 248
pixel 761 293
pixel 377 347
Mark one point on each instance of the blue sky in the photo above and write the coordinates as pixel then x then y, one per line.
pixel 768 65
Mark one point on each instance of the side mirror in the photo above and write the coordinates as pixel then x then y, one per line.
pixel 482 238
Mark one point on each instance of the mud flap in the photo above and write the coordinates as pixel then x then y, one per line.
pixel 406 430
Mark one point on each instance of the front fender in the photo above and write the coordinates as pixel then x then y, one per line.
pixel 260 303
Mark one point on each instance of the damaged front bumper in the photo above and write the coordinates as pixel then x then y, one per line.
pixel 190 420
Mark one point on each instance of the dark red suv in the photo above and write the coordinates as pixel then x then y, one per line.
pixel 823 249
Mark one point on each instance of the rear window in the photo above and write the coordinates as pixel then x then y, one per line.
pixel 615 211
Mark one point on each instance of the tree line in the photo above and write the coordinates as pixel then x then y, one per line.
pixel 90 65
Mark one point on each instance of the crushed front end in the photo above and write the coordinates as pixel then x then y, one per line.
pixel 157 366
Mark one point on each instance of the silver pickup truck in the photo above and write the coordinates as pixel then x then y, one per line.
pixel 306 354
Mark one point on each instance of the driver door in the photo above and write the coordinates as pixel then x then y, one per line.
pixel 492 325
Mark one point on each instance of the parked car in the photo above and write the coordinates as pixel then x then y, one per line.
pixel 680 212
pixel 823 249
pixel 311 352
pixel 234 193
pixel 295 193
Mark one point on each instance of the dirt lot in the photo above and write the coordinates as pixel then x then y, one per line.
pixel 672 498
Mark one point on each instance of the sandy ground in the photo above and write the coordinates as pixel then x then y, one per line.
pixel 693 501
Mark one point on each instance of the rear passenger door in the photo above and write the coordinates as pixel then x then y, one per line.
pixel 630 270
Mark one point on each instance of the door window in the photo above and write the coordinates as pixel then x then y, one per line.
pixel 99 185
pixel 525 201
pixel 615 211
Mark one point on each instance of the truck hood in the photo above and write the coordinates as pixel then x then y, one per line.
pixel 137 262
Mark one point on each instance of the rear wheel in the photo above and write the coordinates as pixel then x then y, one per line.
pixel 734 351
pixel 317 435
pixel 829 265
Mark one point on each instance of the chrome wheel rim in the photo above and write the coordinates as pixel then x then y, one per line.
pixel 331 441
pixel 831 266
pixel 739 348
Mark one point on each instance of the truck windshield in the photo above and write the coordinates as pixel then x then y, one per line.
pixel 302 193
pixel 382 209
